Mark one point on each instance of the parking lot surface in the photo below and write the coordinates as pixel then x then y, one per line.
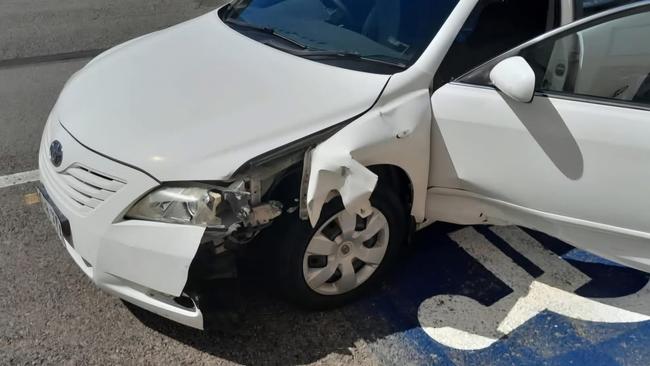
pixel 459 295
pixel 446 304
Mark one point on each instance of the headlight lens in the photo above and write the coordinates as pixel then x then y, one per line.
pixel 182 205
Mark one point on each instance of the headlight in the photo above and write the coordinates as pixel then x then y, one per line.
pixel 181 205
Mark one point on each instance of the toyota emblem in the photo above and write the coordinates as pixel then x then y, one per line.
pixel 56 153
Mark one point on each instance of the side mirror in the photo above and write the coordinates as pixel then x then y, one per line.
pixel 514 78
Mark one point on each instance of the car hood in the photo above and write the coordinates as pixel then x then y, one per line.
pixel 196 101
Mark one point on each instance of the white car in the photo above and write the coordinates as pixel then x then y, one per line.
pixel 326 131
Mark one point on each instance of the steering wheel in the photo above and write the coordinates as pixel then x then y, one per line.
pixel 334 6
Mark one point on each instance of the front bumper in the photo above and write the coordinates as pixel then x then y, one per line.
pixel 145 263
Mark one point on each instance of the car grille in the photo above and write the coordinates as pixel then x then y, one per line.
pixel 84 188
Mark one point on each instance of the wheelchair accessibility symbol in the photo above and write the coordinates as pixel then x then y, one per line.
pixel 463 323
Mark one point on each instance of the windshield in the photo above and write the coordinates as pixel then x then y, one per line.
pixel 370 35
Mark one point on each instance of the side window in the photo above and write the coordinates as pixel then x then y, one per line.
pixel 609 60
pixel 494 27
pixel 585 8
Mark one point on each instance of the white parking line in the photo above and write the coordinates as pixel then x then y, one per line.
pixel 464 323
pixel 18 178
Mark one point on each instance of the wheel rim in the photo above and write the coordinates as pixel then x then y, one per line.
pixel 345 251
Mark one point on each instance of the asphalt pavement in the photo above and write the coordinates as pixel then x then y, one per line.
pixel 460 295
pixel 32 28
pixel 27 94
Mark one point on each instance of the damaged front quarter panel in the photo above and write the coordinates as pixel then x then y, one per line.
pixel 212 282
pixel 396 133
pixel 244 214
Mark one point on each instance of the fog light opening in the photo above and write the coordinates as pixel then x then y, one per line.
pixel 184 301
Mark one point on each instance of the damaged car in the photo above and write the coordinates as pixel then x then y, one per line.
pixel 327 131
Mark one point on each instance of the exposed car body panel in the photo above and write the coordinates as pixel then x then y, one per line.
pixel 198 100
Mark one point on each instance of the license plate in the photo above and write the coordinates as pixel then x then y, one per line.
pixel 58 220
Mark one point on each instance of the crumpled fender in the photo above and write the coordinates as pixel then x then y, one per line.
pixel 397 133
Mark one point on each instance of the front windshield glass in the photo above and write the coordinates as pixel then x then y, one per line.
pixel 369 35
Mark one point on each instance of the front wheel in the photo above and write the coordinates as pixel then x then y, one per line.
pixel 344 255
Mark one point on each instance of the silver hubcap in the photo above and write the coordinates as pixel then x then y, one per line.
pixel 344 252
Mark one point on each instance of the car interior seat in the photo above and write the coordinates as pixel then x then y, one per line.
pixel 383 22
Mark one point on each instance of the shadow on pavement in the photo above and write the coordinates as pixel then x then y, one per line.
pixel 434 264
pixel 278 333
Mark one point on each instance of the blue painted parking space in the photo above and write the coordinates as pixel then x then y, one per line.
pixel 505 295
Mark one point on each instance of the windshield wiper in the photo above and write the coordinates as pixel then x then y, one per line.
pixel 350 56
pixel 265 30
pixel 307 52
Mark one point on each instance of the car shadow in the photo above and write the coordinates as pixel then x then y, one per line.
pixel 277 333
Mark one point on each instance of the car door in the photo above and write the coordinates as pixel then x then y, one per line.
pixel 575 161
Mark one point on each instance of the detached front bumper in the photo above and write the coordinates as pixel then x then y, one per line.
pixel 144 263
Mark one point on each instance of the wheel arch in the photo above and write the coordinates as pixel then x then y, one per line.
pixel 395 178
pixel 396 135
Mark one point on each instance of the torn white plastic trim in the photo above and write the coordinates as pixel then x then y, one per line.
pixel 397 133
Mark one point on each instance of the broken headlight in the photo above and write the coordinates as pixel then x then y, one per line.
pixel 180 205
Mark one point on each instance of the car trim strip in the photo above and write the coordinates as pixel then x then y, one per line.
pixel 108 157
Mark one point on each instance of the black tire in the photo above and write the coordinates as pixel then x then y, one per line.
pixel 296 235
